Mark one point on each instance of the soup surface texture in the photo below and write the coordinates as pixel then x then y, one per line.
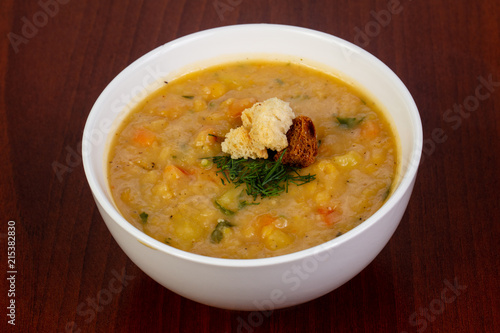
pixel 164 181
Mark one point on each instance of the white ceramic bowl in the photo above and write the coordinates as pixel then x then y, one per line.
pixel 257 284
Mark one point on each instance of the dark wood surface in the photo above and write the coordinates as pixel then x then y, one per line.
pixel 439 272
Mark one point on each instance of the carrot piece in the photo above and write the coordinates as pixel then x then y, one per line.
pixel 172 172
pixel 265 219
pixel 236 108
pixel 370 129
pixel 144 137
pixel 329 215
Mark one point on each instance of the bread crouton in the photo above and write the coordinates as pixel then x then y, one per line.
pixel 268 123
pixel 302 144
pixel 239 144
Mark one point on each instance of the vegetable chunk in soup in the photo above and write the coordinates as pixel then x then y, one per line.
pixel 170 178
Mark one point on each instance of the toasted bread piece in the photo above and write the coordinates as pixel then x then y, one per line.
pixel 239 144
pixel 302 144
pixel 268 122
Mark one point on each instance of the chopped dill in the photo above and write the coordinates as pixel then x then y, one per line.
pixel 349 122
pixel 263 177
pixel 144 217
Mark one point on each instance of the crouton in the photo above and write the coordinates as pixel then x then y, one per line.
pixel 264 127
pixel 239 144
pixel 268 122
pixel 302 144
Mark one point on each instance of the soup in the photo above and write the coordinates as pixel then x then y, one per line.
pixel 165 179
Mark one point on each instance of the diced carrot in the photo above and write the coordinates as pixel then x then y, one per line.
pixel 255 230
pixel 238 106
pixel 172 172
pixel 370 129
pixel 265 219
pixel 144 137
pixel 329 215
pixel 324 211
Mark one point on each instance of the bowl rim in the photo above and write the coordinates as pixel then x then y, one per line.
pixel 406 178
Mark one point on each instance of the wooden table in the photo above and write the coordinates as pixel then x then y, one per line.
pixel 439 272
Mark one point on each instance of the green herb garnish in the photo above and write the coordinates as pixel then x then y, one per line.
pixel 386 193
pixel 244 203
pixel 217 234
pixel 223 209
pixel 279 81
pixel 188 96
pixel 263 177
pixel 144 217
pixel 349 122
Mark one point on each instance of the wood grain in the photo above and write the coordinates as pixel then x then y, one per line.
pixel 447 244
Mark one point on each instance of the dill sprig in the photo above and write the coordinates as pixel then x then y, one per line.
pixel 263 177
